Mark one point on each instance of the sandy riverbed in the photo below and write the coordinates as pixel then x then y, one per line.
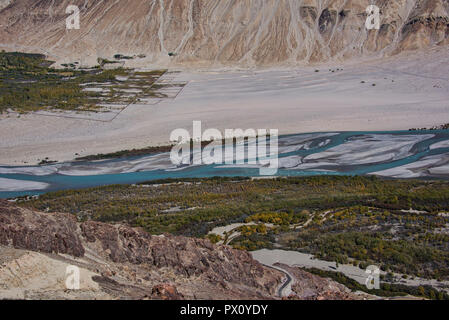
pixel 410 91
pixel 294 258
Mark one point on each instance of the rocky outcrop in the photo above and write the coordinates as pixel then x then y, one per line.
pixel 250 33
pixel 187 257
pixel 37 231
pixel 129 262
pixel 166 292
pixel 120 262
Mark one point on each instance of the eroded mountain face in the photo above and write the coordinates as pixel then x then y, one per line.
pixel 223 32
pixel 120 262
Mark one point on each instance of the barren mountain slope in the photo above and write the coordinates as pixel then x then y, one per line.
pixel 222 32
pixel 117 261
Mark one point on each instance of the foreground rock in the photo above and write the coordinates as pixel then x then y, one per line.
pixel 119 262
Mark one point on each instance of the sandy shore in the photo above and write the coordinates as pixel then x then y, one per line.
pixel 410 91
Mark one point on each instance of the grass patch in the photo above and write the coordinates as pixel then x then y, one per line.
pixel 28 83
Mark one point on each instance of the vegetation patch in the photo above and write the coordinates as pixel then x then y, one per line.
pixel 28 83
pixel 357 220
pixel 386 289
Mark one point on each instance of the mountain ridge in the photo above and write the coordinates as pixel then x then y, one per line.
pixel 250 33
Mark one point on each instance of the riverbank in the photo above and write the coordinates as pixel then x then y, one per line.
pixel 404 154
pixel 395 94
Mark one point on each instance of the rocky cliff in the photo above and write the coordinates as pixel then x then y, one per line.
pixel 244 33
pixel 120 262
